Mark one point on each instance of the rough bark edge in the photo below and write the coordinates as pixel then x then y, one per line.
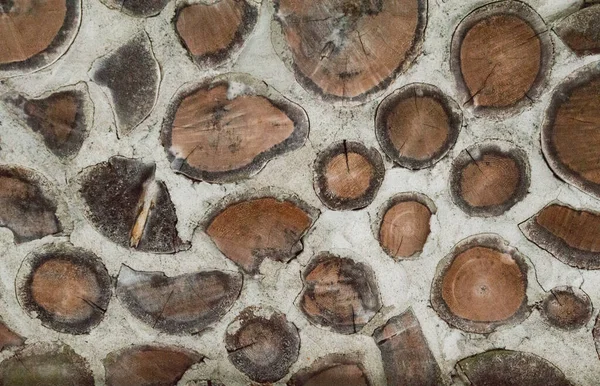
pixel 451 108
pixel 472 154
pixel 486 240
pixel 295 141
pixel 535 21
pixel 575 292
pixel 328 362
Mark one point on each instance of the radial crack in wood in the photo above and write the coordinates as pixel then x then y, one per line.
pixel 571 235
pixel 148 365
pixel 407 358
pixel 9 338
pixel 333 369
pixel 339 293
pixel 341 49
pixel 229 128
pixel 417 125
pixel 581 31
pixel 137 8
pixel 567 308
pixel 129 206
pixel 481 285
pixel 249 231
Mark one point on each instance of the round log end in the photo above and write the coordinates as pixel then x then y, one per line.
pixel 567 308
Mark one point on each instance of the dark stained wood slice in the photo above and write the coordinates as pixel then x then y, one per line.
pixel 348 175
pixel 481 285
pixel 186 303
pixel 26 206
pixel 488 179
pixel 333 369
pixel 46 364
pixel 9 338
pixel 204 382
pixel 262 347
pixel 249 231
pixel 342 49
pixel 407 358
pixel 404 225
pixel 212 32
pixel 67 288
pixel 507 367
pixel 417 125
pixel 580 31
pixel 137 8
pixel 132 77
pixel 339 293
pixel 148 365
pixel 128 206
pixel 571 130
pixel 229 128
pixel 500 56
pixel 571 235
pixel 567 308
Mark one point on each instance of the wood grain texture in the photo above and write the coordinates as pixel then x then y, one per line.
pixel 333 369
pixel 567 308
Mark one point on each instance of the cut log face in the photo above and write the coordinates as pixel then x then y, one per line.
pixel 67 288
pixel 26 207
pixel 339 293
pixel 581 31
pixel 568 308
pixel 571 134
pixel 333 369
pixel 338 48
pixel 9 338
pixel 490 178
pixel 262 347
pixel 128 206
pixel 348 175
pixel 501 54
pixel 571 235
pixel 47 364
pixel 404 226
pixel 36 33
pixel 481 285
pixel 148 365
pixel 506 367
pixel 213 32
pixel 247 232
pixel 407 358
pixel 132 76
pixel 185 304
pixel 228 129
pixel 417 125
pixel 137 8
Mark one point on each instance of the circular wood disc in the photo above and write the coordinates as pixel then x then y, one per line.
pixel 567 308
pixel 348 175
pixel 67 288
pixel 571 130
pixel 417 125
pixel 481 285
pixel 501 54
pixel 490 178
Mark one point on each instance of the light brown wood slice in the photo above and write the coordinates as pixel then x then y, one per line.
pixel 147 365
pixel 488 179
pixel 339 293
pixel 341 49
pixel 571 130
pixel 212 32
pixel 333 369
pixel 249 231
pixel 580 31
pixel 262 344
pixel 571 235
pixel 481 285
pixel 417 125
pixel 407 358
pixel 229 128
pixel 186 303
pixel 567 308
pixel 404 226
pixel 9 338
pixel 501 53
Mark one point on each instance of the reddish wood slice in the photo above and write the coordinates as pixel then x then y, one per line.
pixel 339 293
pixel 249 231
pixel 9 338
pixel 571 235
pixel 148 365
pixel 567 308
pixel 417 125
pixel 332 369
pixel 182 304
pixel 407 358
pixel 138 8
pixel 211 32
pixel 481 285
pixel 581 31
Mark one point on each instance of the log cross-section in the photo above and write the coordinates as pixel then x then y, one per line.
pixel 567 308
pixel 333 369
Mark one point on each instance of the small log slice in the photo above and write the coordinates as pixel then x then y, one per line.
pixel 580 31
pixel 9 338
pixel 333 369
pixel 417 125
pixel 137 8
pixel 567 308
